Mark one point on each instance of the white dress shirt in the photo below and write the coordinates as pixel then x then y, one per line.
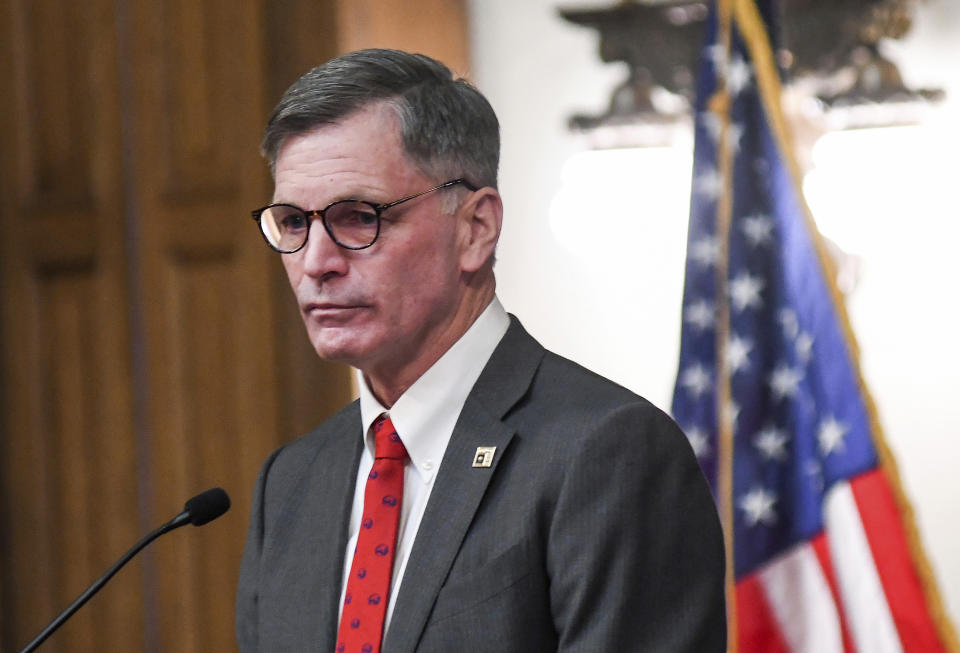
pixel 424 417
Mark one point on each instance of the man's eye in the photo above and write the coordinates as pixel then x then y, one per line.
pixel 293 222
pixel 355 217
pixel 365 218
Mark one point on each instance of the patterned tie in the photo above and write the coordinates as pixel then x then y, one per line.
pixel 368 588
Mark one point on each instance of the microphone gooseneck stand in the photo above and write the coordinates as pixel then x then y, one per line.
pixel 199 510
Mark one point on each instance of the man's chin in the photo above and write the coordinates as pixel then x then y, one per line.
pixel 339 347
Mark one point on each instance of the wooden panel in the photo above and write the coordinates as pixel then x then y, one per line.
pixel 297 35
pixel 58 101
pixel 71 443
pixel 69 473
pixel 437 28
pixel 198 75
pixel 202 288
pixel 201 445
pixel 83 477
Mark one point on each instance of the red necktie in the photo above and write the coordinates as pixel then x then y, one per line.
pixel 368 588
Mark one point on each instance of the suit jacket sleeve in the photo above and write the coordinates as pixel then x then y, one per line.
pixel 635 551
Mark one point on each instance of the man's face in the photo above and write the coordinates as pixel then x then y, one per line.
pixel 381 308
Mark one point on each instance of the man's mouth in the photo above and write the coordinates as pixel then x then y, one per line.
pixel 330 309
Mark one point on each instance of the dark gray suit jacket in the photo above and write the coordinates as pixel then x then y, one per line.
pixel 593 530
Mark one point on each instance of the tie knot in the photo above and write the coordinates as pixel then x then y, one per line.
pixel 388 444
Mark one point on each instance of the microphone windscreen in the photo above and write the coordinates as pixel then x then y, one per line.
pixel 207 506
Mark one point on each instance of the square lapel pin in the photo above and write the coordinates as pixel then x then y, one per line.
pixel 484 456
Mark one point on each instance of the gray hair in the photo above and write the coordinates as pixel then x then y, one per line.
pixel 448 128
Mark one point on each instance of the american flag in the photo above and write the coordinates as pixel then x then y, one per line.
pixel 822 550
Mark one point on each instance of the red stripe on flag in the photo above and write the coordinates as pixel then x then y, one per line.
pixel 895 566
pixel 757 629
pixel 820 548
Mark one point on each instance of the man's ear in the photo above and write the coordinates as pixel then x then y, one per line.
pixel 482 216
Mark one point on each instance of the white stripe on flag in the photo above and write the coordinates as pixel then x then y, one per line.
pixel 868 615
pixel 799 596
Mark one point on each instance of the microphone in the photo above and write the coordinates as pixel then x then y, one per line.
pixel 201 509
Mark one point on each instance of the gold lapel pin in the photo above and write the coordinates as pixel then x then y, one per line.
pixel 484 456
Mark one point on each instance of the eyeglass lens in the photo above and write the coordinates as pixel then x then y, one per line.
pixel 353 224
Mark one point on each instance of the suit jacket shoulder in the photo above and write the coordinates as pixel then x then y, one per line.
pixel 593 529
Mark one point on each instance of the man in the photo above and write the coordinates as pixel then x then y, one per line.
pixel 483 494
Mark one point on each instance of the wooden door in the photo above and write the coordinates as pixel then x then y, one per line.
pixel 69 460
pixel 200 288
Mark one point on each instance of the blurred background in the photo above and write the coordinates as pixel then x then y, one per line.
pixel 151 348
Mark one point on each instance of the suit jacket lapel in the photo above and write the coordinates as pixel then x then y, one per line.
pixel 459 487
pixel 332 474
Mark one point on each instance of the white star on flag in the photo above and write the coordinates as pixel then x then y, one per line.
pixel 698 441
pixel 830 435
pixel 738 350
pixel 788 320
pixel 757 506
pixel 713 124
pixel 699 314
pixel 784 381
pixel 705 251
pixel 804 346
pixel 717 54
pixel 745 291
pixel 815 471
pixel 709 184
pixel 696 379
pixel 772 443
pixel 758 229
pixel 738 75
pixel 731 411
pixel 734 134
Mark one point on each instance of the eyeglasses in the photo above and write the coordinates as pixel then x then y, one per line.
pixel 352 224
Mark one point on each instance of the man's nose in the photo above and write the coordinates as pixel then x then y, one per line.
pixel 321 255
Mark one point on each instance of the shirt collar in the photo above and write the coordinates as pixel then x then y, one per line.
pixel 427 411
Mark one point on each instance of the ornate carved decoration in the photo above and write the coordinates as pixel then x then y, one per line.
pixel 830 52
